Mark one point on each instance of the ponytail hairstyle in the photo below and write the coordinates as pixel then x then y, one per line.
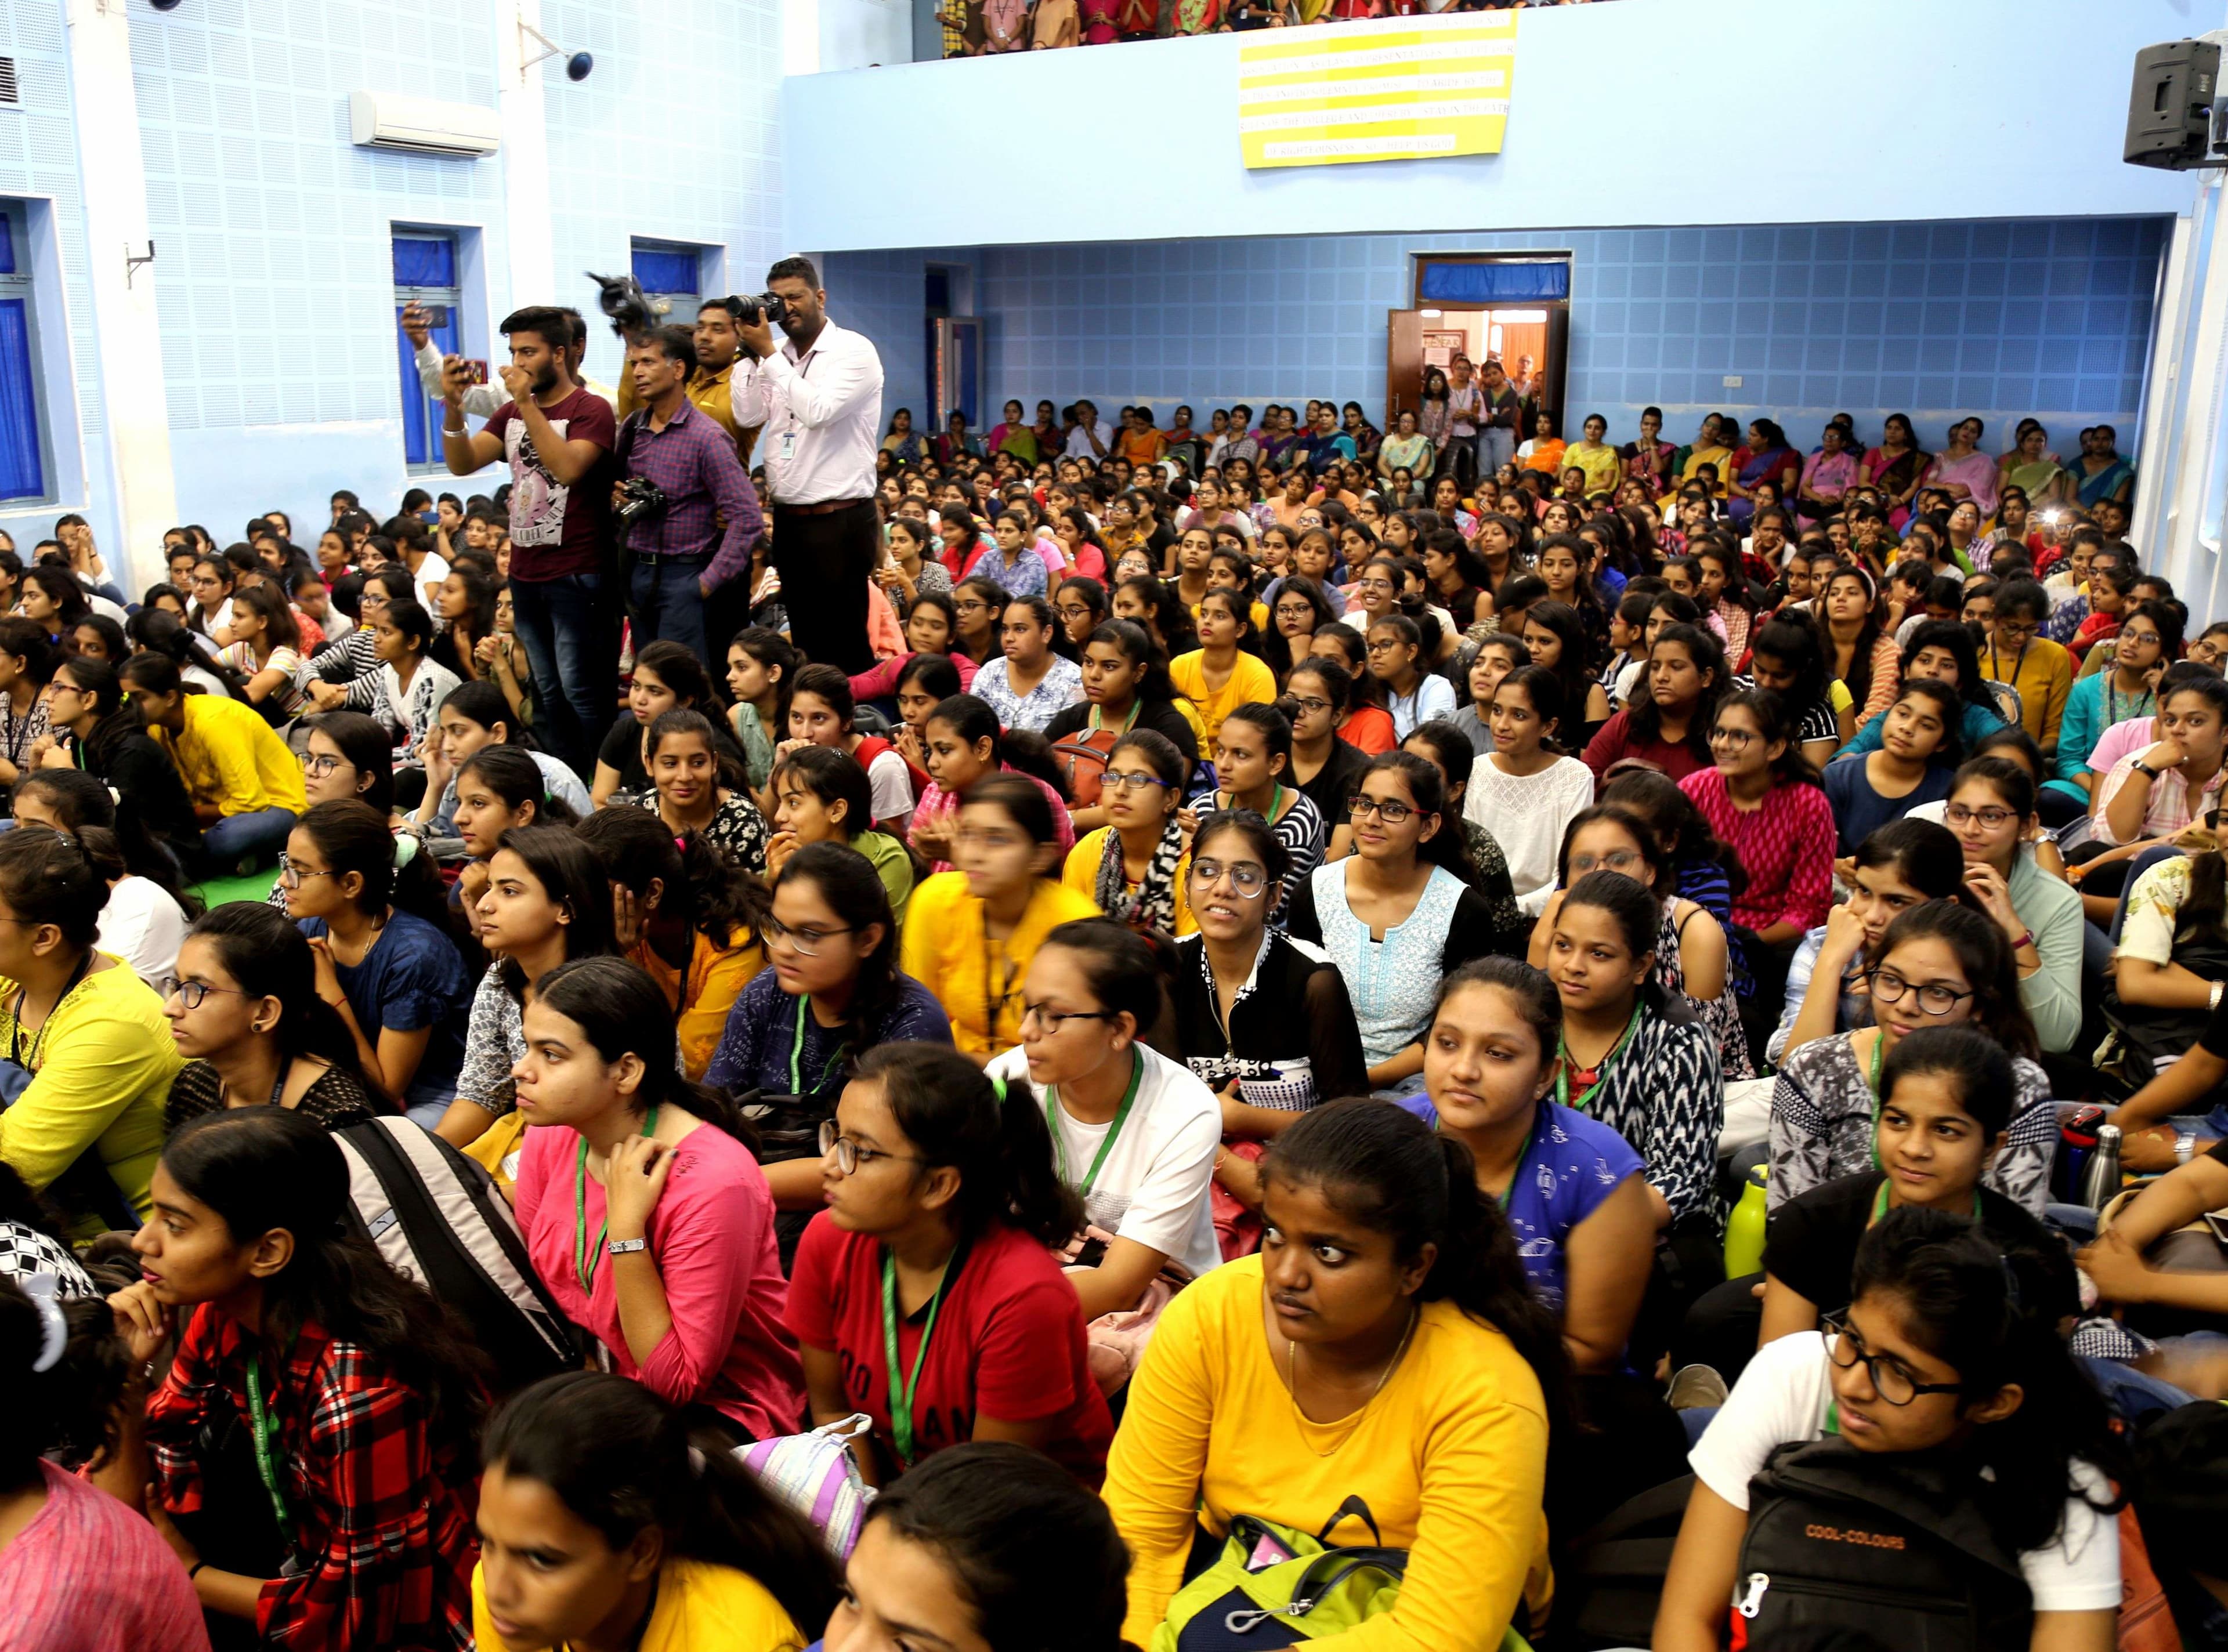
pixel 1774 727
pixel 934 673
pixel 1119 966
pixel 369 750
pixel 1241 610
pixel 1984 957
pixel 1447 847
pixel 573 879
pixel 1672 817
pixel 409 616
pixel 115 839
pixel 2007 779
pixel 269 604
pixel 854 891
pixel 354 838
pixel 623 1011
pixel 263 1168
pixel 482 702
pixel 1028 1544
pixel 771 650
pixel 676 665
pixel 66 1411
pixel 258 946
pixel 1275 728
pixel 1538 1006
pixel 1982 1073
pixel 1354 650
pixel 116 719
pixel 1955 640
pixel 834 776
pixel 513 775
pixel 1992 1316
pixel 1387 1170
pixel 621 1459
pixel 1925 854
pixel 1020 750
pixel 955 1117
pixel 829 686
pixel 1336 681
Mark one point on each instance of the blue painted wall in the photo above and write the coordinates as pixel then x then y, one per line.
pixel 1940 320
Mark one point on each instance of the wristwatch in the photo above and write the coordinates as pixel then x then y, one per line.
pixel 2185 1145
pixel 624 1246
pixel 2138 766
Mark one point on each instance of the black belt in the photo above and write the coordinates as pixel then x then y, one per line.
pixel 824 508
pixel 695 557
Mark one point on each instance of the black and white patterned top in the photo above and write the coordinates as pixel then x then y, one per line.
pixel 25 1251
pixel 1666 1096
pixel 736 827
pixel 1822 1120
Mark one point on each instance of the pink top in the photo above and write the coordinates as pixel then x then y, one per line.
pixel 937 805
pixel 711 1240
pixel 89 1575
pixel 1977 471
pixel 2122 739
pixel 1786 847
pixel 882 681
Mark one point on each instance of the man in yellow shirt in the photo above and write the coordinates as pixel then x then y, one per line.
pixel 710 388
pixel 245 783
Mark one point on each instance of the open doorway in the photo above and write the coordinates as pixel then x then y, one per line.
pixel 1513 308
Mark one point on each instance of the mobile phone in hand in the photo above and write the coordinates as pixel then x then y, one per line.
pixel 476 371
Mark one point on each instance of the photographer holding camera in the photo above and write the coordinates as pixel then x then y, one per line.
pixel 683 494
pixel 819 396
pixel 710 387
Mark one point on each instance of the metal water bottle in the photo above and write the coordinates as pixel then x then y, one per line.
pixel 2100 1177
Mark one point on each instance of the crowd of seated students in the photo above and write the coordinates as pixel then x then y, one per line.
pixel 1261 1016
pixel 990 28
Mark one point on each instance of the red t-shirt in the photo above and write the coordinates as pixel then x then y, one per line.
pixel 556 529
pixel 1370 728
pixel 1008 1342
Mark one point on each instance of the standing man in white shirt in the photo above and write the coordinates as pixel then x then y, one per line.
pixel 819 397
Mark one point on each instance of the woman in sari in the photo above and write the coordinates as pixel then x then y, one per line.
pixel 2033 468
pixel 1011 436
pixel 2100 473
pixel 903 443
pixel 1963 471
pixel 1827 476
pixel 1405 450
pixel 1765 458
pixel 1895 466
pixel 1710 447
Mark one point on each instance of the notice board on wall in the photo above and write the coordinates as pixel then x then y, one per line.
pixel 1387 89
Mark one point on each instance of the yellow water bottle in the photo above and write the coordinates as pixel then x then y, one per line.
pixel 1744 1228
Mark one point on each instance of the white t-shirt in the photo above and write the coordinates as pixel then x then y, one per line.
pixel 1783 1396
pixel 1153 1187
pixel 433 570
pixel 143 925
pixel 890 785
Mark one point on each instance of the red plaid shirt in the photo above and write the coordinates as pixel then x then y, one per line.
pixel 381 1516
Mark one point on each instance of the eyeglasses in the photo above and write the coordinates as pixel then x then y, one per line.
pixel 1381 644
pixel 807 941
pixel 970 607
pixel 1312 707
pixel 1074 611
pixel 191 993
pixel 1628 861
pixel 1052 1020
pixel 318 764
pixel 1933 998
pixel 1246 878
pixel 1958 814
pixel 1110 781
pixel 1739 739
pixel 850 1155
pixel 293 877
pixel 1890 1378
pixel 1391 810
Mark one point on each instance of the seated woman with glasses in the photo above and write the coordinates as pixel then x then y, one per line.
pixel 1134 1134
pixel 1948 1360
pixel 925 1294
pixel 1991 812
pixel 971 933
pixel 1939 965
pixel 1325 766
pixel 1136 866
pixel 1125 687
pixel 1262 1019
pixel 1399 913
pixel 642 1209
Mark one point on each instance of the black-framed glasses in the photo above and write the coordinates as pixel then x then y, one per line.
pixel 1312 706
pixel 1995 820
pixel 1052 1020
pixel 850 1155
pixel 808 941
pixel 1391 810
pixel 1934 998
pixel 1891 1379
pixel 191 993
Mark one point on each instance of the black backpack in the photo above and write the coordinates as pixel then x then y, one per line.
pixel 1893 1544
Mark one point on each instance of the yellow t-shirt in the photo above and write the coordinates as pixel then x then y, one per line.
pixel 1250 681
pixel 945 949
pixel 1081 874
pixel 101 1068
pixel 228 756
pixel 1450 1455
pixel 716 976
pixel 700 1608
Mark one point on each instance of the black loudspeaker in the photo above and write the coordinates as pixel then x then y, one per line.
pixel 2170 109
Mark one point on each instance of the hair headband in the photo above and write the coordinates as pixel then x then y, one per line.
pixel 45 1291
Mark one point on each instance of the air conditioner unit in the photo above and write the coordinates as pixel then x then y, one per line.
pixel 393 120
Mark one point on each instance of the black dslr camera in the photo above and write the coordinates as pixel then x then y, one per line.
pixel 630 308
pixel 645 501
pixel 752 308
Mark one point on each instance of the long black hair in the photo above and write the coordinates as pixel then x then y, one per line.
pixel 1021 750
pixel 1984 957
pixel 116 719
pixel 114 838
pixel 1448 846
pixel 572 878
pixel 1387 1170
pixel 1992 1316
pixel 48 877
pixel 66 1411
pixel 1775 725
pixel 1028 1544
pixel 263 1168
pixel 854 891
pixel 1709 655
pixel 1955 640
pixel 260 947
pixel 715 897
pixel 953 1115
pixel 620 1458
pixel 354 838
pixel 1154 686
pixel 624 1012
pixel 369 750
pixel 1671 815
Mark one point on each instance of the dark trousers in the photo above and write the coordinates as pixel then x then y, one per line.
pixel 570 638
pixel 667 603
pixel 825 560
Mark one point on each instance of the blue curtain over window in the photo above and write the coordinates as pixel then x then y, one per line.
pixel 663 270
pixel 7 245
pixel 424 262
pixel 1493 283
pixel 23 473
pixel 421 444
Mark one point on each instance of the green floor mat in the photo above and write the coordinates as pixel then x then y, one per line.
pixel 254 887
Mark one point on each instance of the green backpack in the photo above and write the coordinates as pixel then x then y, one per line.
pixel 1273 1585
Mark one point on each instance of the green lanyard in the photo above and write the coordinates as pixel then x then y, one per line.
pixel 1563 1064
pixel 1106 1146
pixel 584 1261
pixel 796 1052
pixel 1880 1055
pixel 1128 723
pixel 263 1429
pixel 902 1393
pixel 1522 1154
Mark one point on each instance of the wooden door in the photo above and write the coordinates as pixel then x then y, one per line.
pixel 1404 364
